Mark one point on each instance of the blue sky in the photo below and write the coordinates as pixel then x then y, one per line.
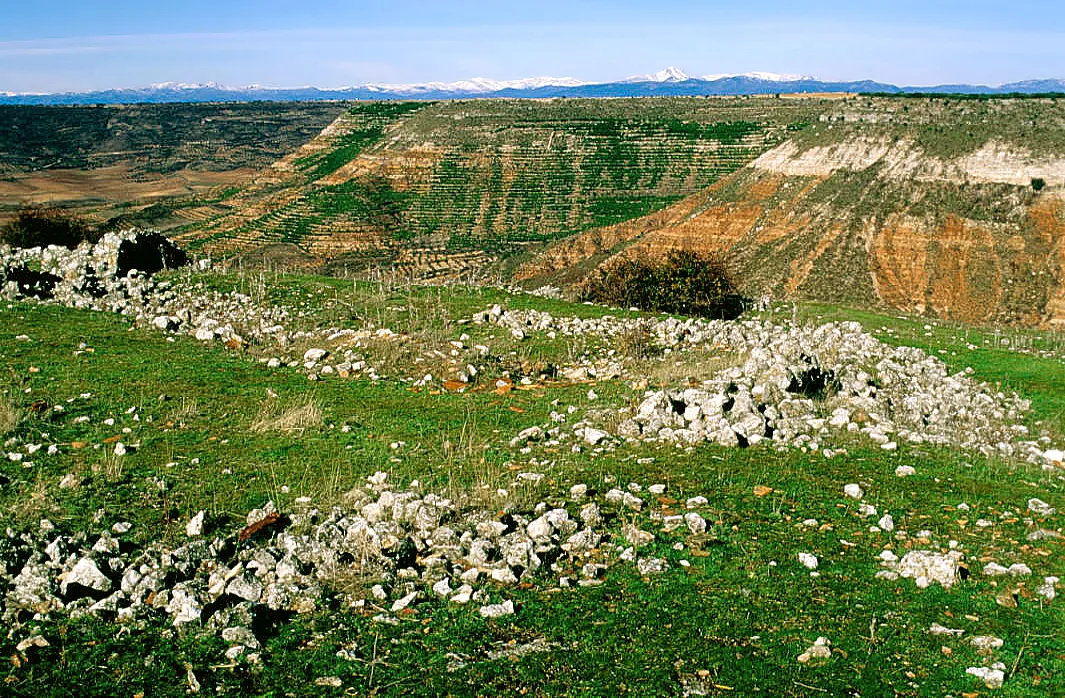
pixel 77 45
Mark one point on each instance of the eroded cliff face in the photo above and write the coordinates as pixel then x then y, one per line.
pixel 872 222
pixel 994 163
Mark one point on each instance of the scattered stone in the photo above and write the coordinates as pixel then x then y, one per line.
pixel 992 678
pixel 515 652
pixel 986 644
pixel 527 435
pixel 240 635
pixel 696 524
pixel 937 629
pixel 184 607
pixel 1048 590
pixel 905 471
pixel 637 537
pixel 194 527
pixel 993 569
pixel 442 588
pixel 245 587
pixel 808 561
pixel 594 436
pixel 649 566
pixel 540 530
pixel 696 502
pixel 85 574
pixel 497 610
pixel 1040 508
pixel 820 650
pixel 404 602
pixel 395 538
pixel 741 408
pixel 1007 598
pixel 926 567
pixel 853 491
pixel 33 641
pixel 1019 569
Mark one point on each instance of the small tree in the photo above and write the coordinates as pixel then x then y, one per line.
pixel 684 282
pixel 1038 183
pixel 38 227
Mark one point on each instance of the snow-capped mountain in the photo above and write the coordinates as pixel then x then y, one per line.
pixel 670 74
pixel 671 81
pixel 474 85
pixel 757 75
pixel 191 86
pixel 674 74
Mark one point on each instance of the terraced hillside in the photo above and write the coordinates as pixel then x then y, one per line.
pixel 948 207
pixel 485 178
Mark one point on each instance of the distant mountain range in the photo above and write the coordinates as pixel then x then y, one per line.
pixel 669 82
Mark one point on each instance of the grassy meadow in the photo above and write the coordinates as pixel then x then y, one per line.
pixel 216 429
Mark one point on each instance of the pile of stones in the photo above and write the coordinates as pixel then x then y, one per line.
pixel 801 386
pixel 107 275
pixel 117 274
pixel 384 550
pixel 798 386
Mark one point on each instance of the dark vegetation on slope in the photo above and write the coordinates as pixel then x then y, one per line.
pixel 39 227
pixel 684 282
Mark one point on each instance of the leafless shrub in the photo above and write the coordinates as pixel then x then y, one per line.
pixel 294 418
pixel 10 415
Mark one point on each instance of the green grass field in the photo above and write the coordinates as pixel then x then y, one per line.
pixel 732 621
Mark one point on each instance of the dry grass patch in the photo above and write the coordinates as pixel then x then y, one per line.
pixel 35 502
pixel 674 369
pixel 188 410
pixel 112 467
pixel 10 415
pixel 638 343
pixel 289 418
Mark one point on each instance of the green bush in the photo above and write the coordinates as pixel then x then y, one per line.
pixel 684 282
pixel 38 227
pixel 1038 183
